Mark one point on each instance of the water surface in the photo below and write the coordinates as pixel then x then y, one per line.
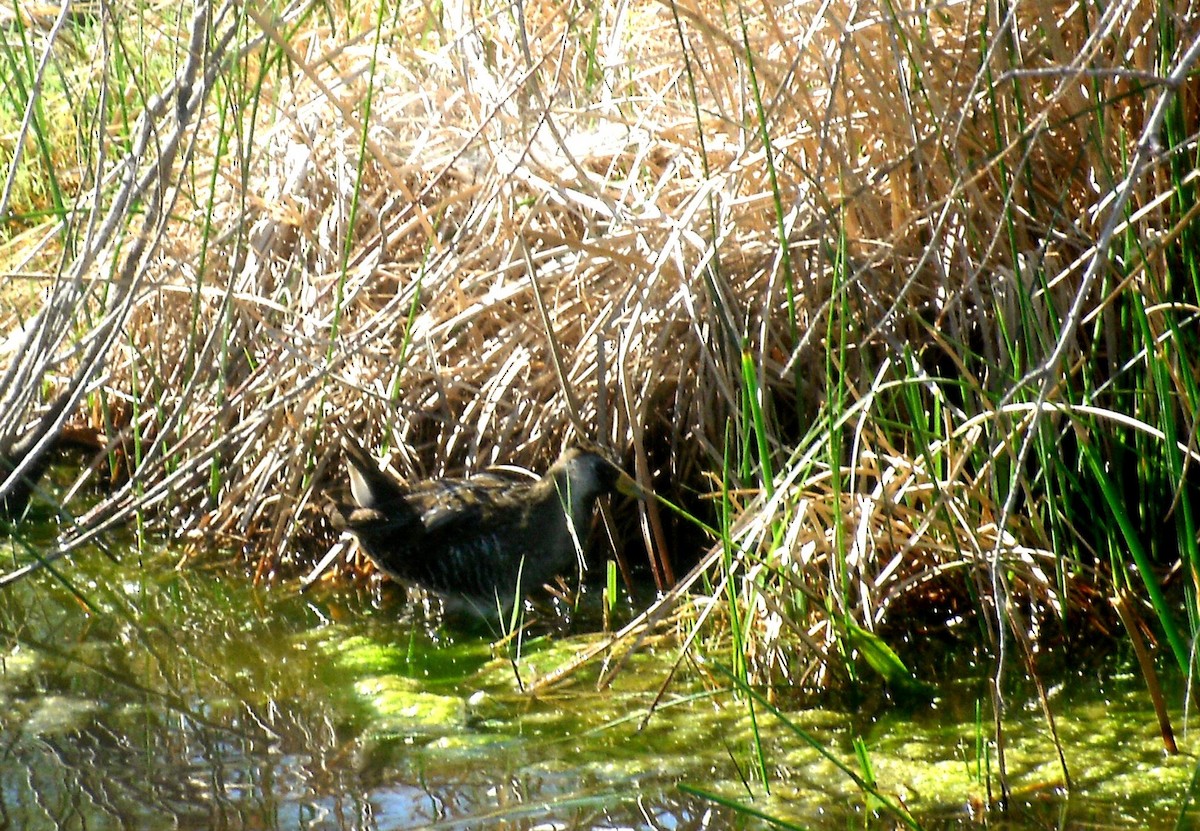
pixel 135 695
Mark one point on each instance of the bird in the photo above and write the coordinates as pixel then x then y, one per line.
pixel 15 495
pixel 484 542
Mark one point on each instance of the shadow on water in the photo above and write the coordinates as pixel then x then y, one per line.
pixel 189 699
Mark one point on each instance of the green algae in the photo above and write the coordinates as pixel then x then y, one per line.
pixel 624 732
pixel 58 715
pixel 401 710
pixel 307 699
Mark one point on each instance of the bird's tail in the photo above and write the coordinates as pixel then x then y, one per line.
pixel 371 487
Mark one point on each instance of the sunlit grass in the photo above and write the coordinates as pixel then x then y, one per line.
pixel 894 309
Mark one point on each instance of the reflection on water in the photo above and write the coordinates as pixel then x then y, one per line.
pixel 156 709
pixel 144 697
pixel 190 700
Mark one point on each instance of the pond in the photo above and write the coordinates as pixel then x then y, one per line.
pixel 136 695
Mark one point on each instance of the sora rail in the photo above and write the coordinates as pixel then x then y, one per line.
pixel 480 542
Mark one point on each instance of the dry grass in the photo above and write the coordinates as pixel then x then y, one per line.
pixel 469 238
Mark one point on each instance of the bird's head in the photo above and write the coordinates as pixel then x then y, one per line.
pixel 587 473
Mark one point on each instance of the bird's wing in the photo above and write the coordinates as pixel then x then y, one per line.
pixel 445 502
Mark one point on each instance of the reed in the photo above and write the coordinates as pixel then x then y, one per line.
pixel 898 300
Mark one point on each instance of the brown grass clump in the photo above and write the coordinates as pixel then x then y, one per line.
pixel 759 239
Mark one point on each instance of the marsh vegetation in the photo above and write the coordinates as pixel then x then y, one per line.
pixel 893 307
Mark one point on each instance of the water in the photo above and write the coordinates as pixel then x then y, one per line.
pixel 145 697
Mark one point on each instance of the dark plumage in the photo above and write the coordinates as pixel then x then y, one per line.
pixel 14 498
pixel 486 540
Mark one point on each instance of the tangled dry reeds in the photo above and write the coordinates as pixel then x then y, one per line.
pixel 794 262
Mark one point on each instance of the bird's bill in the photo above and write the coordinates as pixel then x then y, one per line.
pixel 627 486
